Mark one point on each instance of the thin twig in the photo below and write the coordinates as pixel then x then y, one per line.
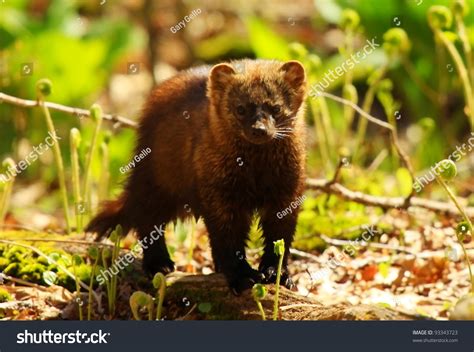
pixel 300 305
pixel 85 243
pixel 393 134
pixel 306 255
pixel 63 108
pixel 358 109
pixel 383 202
pixel 20 281
pixel 339 242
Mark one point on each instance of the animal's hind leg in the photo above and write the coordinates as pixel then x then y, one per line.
pixel 156 257
pixel 151 222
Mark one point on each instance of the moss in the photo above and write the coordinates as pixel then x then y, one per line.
pixel 15 254
pixel 27 265
pixel 32 272
pixel 12 269
pixel 5 296
pixel 3 263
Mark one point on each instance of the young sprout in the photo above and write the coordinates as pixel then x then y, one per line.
pixel 8 163
pixel 297 51
pixel 105 177
pixel 140 299
pixel 105 256
pixel 349 92
pixel 461 10
pixel 43 89
pixel 95 255
pixel 464 232
pixel 279 249
pixel 75 141
pixel 259 292
pixel 396 42
pixel 159 282
pixel 76 261
pixel 96 114
pixel 115 237
pixel 350 20
pixel 446 171
pixel 440 18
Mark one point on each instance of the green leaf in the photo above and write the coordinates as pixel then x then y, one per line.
pixel 279 247
pixel 205 307
pixel 259 292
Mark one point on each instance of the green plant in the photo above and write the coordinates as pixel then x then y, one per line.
pixel 159 282
pixel 7 190
pixel 111 286
pixel 96 114
pixel 349 23
pixel 440 19
pixel 75 141
pixel 279 248
pixel 105 177
pixel 43 89
pixel 446 172
pixel 259 292
pixel 95 255
pixel 4 296
pixel 76 261
pixel 140 299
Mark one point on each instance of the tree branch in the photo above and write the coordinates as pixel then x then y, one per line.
pixel 67 109
pixel 330 187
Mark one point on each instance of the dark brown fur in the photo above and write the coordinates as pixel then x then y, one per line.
pixel 210 161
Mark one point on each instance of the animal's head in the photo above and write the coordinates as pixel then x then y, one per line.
pixel 259 99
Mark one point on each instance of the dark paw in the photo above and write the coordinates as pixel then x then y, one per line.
pixel 162 266
pixel 270 276
pixel 244 281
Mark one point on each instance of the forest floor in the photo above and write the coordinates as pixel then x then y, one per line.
pixel 422 274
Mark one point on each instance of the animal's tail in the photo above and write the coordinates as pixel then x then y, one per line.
pixel 110 216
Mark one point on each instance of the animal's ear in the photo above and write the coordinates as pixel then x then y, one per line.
pixel 221 74
pixel 293 73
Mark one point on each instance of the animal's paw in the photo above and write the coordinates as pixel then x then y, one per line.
pixel 270 275
pixel 151 267
pixel 244 280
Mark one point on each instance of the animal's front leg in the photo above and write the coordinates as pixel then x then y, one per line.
pixel 276 228
pixel 228 230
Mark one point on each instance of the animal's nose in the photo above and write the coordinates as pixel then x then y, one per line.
pixel 259 129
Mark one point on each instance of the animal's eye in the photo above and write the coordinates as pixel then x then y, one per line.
pixel 275 109
pixel 240 110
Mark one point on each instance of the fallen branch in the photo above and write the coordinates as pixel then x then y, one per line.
pixel 339 242
pixel 337 189
pixel 67 109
